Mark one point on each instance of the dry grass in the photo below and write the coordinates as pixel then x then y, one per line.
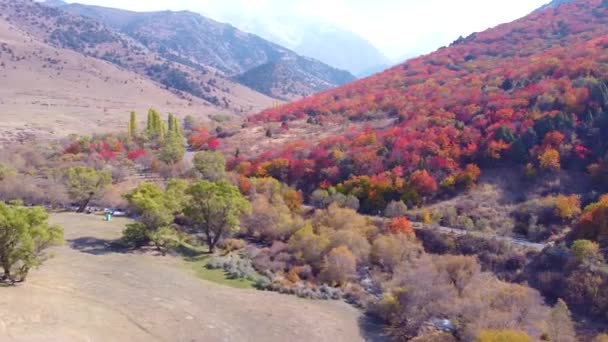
pixel 51 92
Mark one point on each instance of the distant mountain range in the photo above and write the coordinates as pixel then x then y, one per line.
pixel 327 43
pixel 195 42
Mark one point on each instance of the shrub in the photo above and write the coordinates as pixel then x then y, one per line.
pixel 395 209
pixel 235 266
pixel 389 251
pixel 339 266
pixel 308 246
pixel 136 235
pixel 356 242
pixel 231 245
pixel 400 225
pixel 503 336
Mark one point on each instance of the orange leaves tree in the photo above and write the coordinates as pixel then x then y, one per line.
pixel 593 224
pixel 400 225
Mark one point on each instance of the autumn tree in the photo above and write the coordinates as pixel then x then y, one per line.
pixel 401 225
pixel 460 270
pixel 423 182
pixel 24 236
pixel 339 266
pixel 84 184
pixel 271 219
pixel 215 210
pixel 354 240
pixel 567 207
pixel 389 251
pixel 308 245
pixel 549 159
pixel 593 224
pixel 210 165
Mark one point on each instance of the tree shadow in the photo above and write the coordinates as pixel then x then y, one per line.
pixel 372 329
pixel 96 246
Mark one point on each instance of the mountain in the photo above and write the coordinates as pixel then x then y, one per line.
pixel 278 78
pixel 328 43
pixel 554 3
pixel 198 42
pixel 49 91
pixel 91 38
pixel 531 94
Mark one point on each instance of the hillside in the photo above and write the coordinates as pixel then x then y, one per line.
pixel 324 42
pixel 190 39
pixel 291 79
pixel 90 38
pixel 532 92
pixel 55 91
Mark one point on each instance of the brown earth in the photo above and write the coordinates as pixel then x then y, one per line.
pixel 50 92
pixel 88 292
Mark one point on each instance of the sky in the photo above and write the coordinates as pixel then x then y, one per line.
pixel 398 28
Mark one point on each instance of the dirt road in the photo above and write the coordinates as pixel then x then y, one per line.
pixel 89 292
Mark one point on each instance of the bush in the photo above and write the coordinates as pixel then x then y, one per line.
pixel 395 209
pixel 339 266
pixel 231 245
pixel 234 266
pixel 503 336
pixel 135 235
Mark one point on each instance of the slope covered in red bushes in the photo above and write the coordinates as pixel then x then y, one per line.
pixel 532 91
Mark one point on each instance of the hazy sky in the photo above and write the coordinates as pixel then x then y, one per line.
pixel 397 27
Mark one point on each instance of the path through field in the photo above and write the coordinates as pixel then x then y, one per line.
pixel 88 292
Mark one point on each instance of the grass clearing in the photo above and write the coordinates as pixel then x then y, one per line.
pixel 198 265
pixel 196 260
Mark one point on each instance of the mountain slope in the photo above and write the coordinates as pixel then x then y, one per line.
pixel 91 38
pixel 52 92
pixel 191 39
pixel 532 92
pixel 292 79
pixel 327 43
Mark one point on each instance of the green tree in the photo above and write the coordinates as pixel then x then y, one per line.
pixel 587 252
pixel 156 209
pixel 84 184
pixel 210 165
pixel 24 235
pixel 215 210
pixel 133 125
pixel 155 128
pixel 171 124
pixel 172 150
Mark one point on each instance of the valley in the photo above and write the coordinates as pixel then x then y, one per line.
pixel 251 193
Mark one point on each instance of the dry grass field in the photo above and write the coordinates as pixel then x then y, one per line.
pixel 91 292
pixel 50 92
